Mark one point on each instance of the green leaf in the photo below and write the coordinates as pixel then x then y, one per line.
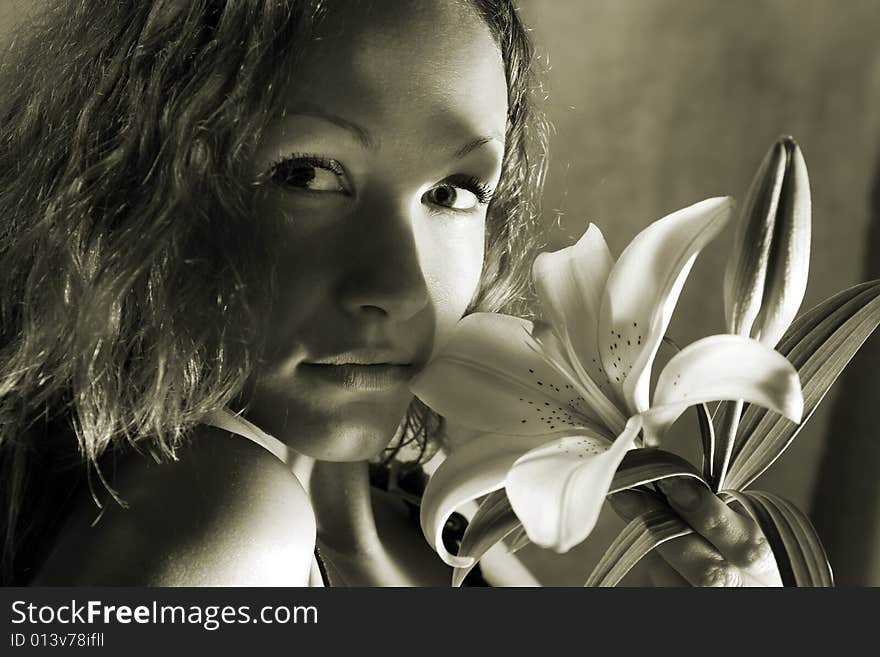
pixel 799 553
pixel 517 540
pixel 493 521
pixel 707 434
pixel 642 466
pixel 641 535
pixel 819 344
pixel 728 416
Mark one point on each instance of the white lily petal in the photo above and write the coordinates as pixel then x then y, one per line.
pixel 643 288
pixel 558 489
pixel 724 367
pixel 598 410
pixel 472 470
pixel 489 377
pixel 570 283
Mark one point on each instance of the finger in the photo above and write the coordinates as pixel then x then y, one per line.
pixel 737 537
pixel 686 561
pixel 662 574
pixel 631 503
pixel 699 563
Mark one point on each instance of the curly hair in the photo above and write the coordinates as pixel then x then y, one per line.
pixel 133 281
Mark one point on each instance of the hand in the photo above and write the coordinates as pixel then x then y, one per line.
pixel 728 548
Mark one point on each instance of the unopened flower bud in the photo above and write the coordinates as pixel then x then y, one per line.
pixel 767 272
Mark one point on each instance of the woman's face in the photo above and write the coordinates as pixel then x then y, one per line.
pixel 382 168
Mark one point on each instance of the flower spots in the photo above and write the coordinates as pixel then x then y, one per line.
pixel 550 413
pixel 582 447
pixel 548 402
pixel 622 351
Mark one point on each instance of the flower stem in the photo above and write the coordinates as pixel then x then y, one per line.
pixel 725 438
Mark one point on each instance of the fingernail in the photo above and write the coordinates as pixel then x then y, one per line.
pixel 682 492
pixel 627 504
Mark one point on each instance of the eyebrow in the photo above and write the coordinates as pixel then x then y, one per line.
pixel 307 109
pixel 477 143
pixel 369 141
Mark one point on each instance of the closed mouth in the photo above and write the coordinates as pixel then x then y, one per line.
pixel 365 377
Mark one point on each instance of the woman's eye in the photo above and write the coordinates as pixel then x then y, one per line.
pixel 313 174
pixel 464 194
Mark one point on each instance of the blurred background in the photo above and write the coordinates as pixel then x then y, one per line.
pixel 660 103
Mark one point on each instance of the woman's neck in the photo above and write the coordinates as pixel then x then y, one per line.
pixel 340 496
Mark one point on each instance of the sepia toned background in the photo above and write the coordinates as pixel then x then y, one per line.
pixel 660 103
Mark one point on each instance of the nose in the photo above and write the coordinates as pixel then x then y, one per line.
pixel 385 277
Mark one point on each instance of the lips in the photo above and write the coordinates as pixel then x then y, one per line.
pixel 375 377
pixel 363 357
pixel 365 370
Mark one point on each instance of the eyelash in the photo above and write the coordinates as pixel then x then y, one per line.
pixel 481 190
pixel 307 159
pixel 474 185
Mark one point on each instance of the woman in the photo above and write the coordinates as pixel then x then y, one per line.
pixel 271 206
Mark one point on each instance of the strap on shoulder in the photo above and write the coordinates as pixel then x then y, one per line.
pixel 224 419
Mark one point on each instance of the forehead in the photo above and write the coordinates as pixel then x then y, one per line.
pixel 432 61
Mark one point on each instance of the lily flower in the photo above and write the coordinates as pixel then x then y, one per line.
pixel 560 403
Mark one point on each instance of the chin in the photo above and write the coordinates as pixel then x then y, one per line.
pixel 353 431
pixel 353 443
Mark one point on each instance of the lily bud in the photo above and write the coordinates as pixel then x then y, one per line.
pixel 766 275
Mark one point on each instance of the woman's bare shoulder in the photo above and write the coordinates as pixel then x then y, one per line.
pixel 226 513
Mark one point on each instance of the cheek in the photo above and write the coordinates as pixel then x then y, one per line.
pixel 452 264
